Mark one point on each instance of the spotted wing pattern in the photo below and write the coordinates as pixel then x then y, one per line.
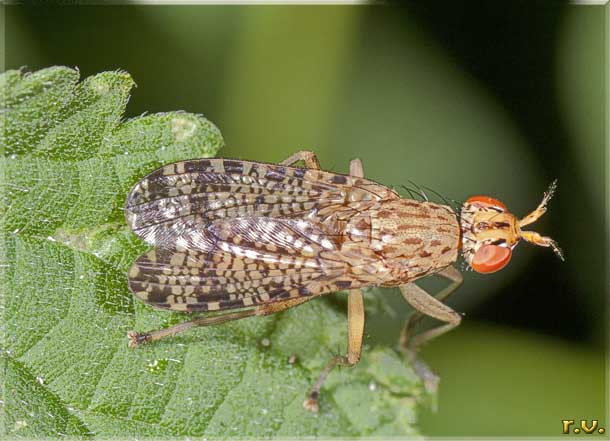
pixel 168 203
pixel 242 262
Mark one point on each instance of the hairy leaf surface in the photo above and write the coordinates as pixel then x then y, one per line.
pixel 68 162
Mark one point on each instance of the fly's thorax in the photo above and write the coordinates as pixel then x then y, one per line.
pixel 415 238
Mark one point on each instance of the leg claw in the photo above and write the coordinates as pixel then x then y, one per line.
pixel 311 404
pixel 136 339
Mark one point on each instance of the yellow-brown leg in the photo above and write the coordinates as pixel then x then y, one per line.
pixel 272 308
pixel 309 158
pixel 137 339
pixel 355 325
pixel 355 168
pixel 541 209
pixel 355 331
pixel 425 304
pixel 428 305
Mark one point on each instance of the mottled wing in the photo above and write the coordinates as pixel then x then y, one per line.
pixel 179 197
pixel 241 262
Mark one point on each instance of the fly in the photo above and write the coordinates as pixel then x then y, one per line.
pixel 255 239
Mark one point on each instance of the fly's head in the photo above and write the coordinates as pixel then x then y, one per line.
pixel 490 232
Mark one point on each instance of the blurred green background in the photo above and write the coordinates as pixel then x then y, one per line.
pixel 465 98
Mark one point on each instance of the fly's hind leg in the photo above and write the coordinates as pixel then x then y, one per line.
pixel 139 338
pixel 355 330
pixel 428 305
pixel 309 158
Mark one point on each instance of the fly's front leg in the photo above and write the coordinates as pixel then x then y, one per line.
pixel 355 331
pixel 456 278
pixel 309 158
pixel 425 304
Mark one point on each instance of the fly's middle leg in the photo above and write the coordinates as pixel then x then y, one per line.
pixel 355 326
pixel 355 331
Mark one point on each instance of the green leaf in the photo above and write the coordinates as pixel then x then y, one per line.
pixel 68 162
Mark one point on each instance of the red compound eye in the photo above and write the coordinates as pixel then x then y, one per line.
pixel 488 201
pixel 490 258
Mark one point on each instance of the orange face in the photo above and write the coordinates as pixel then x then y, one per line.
pixel 490 232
